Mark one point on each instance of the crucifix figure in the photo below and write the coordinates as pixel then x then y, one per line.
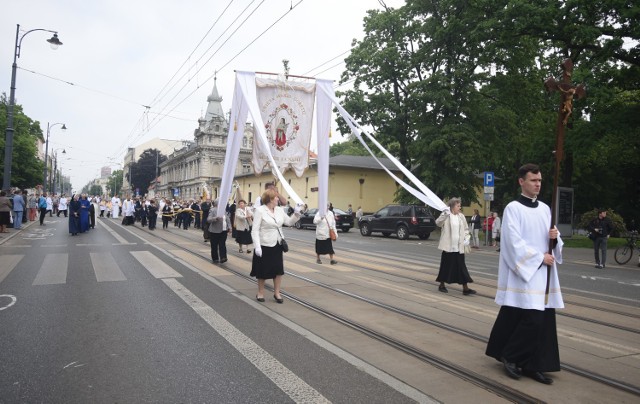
pixel 568 92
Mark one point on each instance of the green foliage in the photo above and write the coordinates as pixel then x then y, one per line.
pixel 114 183
pixel 95 190
pixel 26 167
pixel 619 228
pixel 348 148
pixel 454 88
pixel 143 171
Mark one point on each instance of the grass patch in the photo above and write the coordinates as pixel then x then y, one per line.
pixel 577 241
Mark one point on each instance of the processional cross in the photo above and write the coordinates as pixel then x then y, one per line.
pixel 568 92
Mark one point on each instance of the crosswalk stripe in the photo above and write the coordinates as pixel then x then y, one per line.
pixel 7 263
pixel 154 265
pixel 105 268
pixel 53 270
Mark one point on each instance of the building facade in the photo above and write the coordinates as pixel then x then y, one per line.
pixel 189 172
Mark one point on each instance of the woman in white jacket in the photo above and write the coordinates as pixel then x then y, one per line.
pixel 267 237
pixel 454 236
pixel 243 221
pixel 324 244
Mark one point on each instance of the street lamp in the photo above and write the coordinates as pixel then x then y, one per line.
pixel 55 168
pixel 8 144
pixel 46 155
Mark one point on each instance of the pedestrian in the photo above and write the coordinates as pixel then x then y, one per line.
pixel 524 336
pixel 103 207
pixel 219 227
pixel 74 215
pixel 25 198
pixel 350 210
pixel 359 215
pixel 152 213
pixel 474 226
pixel 49 205
pixel 84 213
pixel 42 205
pixel 128 209
pixel 268 242
pixel 487 228
pixel 195 208
pixel 324 244
pixel 600 229
pixel 167 215
pixel 243 221
pixel 454 237
pixel 62 205
pixel 56 202
pixel 5 212
pixel 495 230
pixel 18 209
pixel 115 206
pixel 205 206
pixel 32 206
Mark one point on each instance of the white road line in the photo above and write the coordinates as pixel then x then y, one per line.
pixel 7 263
pixel 286 380
pixel 118 237
pixel 154 265
pixel 53 270
pixel 105 268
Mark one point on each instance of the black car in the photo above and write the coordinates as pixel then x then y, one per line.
pixel 403 220
pixel 344 221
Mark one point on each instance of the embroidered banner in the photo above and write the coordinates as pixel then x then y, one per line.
pixel 287 114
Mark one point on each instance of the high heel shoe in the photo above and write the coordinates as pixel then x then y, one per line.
pixel 260 299
pixel 281 300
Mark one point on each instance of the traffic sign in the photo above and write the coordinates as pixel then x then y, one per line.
pixel 488 190
pixel 488 197
pixel 488 179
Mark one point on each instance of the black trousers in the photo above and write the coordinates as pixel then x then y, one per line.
pixel 43 213
pixel 152 221
pixel 62 211
pixel 218 243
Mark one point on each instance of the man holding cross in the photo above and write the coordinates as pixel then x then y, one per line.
pixel 524 336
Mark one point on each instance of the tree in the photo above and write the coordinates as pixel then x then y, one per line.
pixel 114 183
pixel 26 167
pixel 143 171
pixel 349 148
pixel 95 190
pixel 454 88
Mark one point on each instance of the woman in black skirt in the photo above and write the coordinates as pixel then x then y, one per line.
pixel 454 237
pixel 324 244
pixel 243 220
pixel 267 237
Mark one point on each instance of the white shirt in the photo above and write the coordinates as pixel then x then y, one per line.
pixel 322 225
pixel 62 205
pixel 522 276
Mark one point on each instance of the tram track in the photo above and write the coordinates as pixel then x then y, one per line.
pixel 479 380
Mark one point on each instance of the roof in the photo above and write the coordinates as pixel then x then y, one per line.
pixel 361 162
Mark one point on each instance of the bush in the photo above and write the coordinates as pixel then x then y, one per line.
pixel 619 229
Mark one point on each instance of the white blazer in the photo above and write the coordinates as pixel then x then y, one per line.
pixel 322 228
pixel 267 228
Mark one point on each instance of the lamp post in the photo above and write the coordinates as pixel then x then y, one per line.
pixel 55 169
pixel 8 148
pixel 46 155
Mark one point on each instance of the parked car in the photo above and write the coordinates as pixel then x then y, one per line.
pixel 344 221
pixel 403 220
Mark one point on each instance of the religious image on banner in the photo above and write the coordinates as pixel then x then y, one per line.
pixel 286 108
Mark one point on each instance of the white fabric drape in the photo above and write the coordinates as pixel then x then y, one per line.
pixel 323 128
pixel 427 196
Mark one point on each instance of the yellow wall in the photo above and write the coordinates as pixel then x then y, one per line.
pixel 377 190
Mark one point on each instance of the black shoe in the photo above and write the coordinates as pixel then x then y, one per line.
pixel 538 376
pixel 598 266
pixel 222 261
pixel 281 300
pixel 468 292
pixel 443 289
pixel 511 369
pixel 216 261
pixel 260 299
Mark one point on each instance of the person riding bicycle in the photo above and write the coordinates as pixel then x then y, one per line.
pixel 601 228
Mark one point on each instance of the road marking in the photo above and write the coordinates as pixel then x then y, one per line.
pixel 13 301
pixel 53 270
pixel 154 265
pixel 106 268
pixel 113 233
pixel 7 263
pixel 286 380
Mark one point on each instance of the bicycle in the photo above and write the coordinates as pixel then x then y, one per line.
pixel 623 253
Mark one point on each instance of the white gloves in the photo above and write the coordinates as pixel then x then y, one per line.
pixel 298 208
pixel 258 251
pixel 446 211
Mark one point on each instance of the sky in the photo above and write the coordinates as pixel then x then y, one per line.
pixel 119 57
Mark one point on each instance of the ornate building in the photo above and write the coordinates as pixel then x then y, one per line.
pixel 190 171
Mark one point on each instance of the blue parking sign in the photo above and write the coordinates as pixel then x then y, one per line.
pixel 488 179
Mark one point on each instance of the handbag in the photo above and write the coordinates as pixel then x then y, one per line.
pixel 283 242
pixel 332 234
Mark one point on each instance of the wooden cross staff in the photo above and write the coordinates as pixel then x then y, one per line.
pixel 568 93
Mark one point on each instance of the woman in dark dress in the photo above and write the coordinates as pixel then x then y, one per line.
pixel 74 215
pixel 152 214
pixel 454 239
pixel 84 213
